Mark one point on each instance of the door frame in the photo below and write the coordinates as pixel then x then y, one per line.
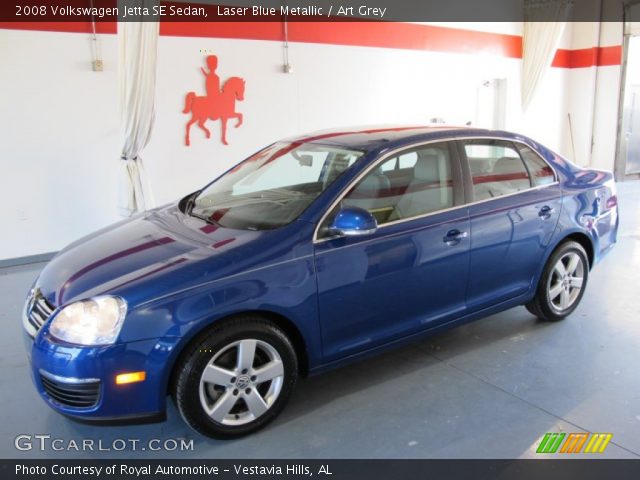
pixel 620 159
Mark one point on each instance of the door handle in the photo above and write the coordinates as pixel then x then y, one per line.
pixel 453 237
pixel 545 212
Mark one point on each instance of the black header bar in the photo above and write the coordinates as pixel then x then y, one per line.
pixel 319 10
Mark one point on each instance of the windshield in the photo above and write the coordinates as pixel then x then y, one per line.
pixel 273 187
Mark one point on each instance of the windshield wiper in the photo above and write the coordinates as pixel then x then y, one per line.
pixel 204 218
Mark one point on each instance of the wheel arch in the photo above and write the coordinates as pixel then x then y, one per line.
pixel 287 326
pixel 584 241
pixel 577 236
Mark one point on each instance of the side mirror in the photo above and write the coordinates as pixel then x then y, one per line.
pixel 353 221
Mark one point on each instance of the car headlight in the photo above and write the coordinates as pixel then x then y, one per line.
pixel 96 321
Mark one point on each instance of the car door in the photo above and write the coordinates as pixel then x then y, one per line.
pixel 410 273
pixel 514 207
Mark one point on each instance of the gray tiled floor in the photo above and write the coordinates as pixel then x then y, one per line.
pixel 490 389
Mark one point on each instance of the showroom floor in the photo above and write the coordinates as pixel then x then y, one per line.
pixel 490 389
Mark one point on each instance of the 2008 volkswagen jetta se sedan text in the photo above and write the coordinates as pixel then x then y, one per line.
pixel 312 252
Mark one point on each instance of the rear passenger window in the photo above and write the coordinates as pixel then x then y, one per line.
pixel 496 169
pixel 540 172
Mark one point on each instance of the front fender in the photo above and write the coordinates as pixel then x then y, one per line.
pixel 287 289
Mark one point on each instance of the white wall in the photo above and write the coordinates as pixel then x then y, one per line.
pixel 332 86
pixel 60 139
pixel 593 94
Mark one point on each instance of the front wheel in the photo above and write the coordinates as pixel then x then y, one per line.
pixel 236 378
pixel 562 283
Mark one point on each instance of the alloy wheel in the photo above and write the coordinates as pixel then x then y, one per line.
pixel 241 382
pixel 566 281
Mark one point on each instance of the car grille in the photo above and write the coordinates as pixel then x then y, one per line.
pixel 39 311
pixel 83 393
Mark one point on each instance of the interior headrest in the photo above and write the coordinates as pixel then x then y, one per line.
pixel 373 183
pixel 508 165
pixel 428 165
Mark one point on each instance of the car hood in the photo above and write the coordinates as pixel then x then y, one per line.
pixel 122 258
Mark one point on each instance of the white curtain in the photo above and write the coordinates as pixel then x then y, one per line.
pixel 138 43
pixel 540 40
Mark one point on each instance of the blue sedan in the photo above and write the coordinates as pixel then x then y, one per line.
pixel 313 252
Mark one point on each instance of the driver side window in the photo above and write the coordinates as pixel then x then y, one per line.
pixel 416 182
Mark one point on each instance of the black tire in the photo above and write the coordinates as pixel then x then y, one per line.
pixel 189 397
pixel 544 307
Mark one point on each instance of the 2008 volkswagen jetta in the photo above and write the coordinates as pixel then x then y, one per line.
pixel 312 252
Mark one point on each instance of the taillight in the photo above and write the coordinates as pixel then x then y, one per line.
pixel 611 193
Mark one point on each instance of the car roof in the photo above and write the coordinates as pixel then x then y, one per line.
pixel 375 137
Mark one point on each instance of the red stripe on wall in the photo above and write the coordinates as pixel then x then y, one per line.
pixel 404 36
pixel 238 30
pixel 67 27
pixel 588 57
pixel 409 37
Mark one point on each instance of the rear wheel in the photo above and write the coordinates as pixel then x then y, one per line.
pixel 236 379
pixel 562 283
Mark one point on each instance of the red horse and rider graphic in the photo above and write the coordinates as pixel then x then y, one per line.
pixel 217 104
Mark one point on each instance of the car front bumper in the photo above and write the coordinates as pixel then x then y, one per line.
pixel 79 382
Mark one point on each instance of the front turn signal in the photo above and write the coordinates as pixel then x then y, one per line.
pixel 131 377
